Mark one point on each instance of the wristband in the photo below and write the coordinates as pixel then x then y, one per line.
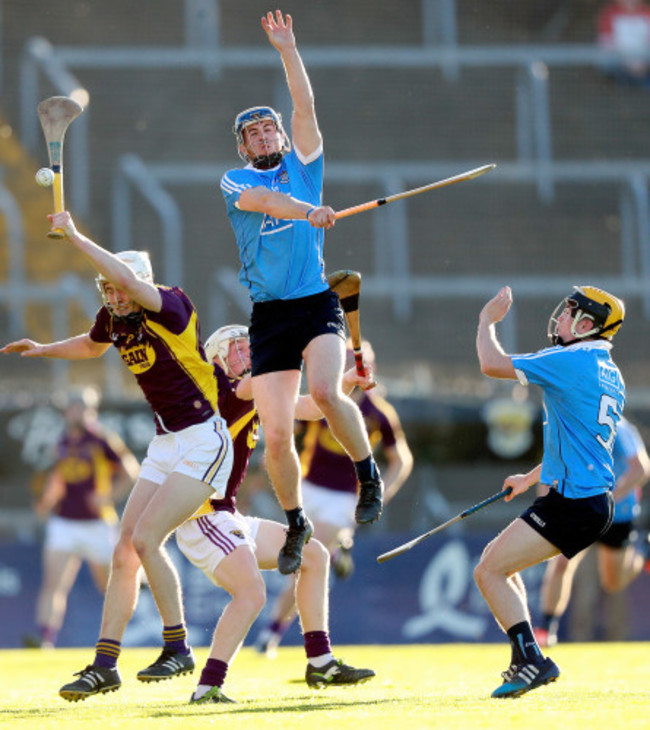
pixel 309 212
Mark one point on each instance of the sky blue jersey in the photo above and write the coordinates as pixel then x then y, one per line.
pixel 627 445
pixel 281 259
pixel 584 396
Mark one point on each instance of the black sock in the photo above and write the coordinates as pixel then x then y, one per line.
pixel 295 517
pixel 551 623
pixel 524 646
pixel 367 470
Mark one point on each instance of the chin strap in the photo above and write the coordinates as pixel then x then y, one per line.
pixel 266 162
pixel 134 318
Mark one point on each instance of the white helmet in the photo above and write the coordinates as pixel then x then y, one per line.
pixel 139 263
pixel 218 344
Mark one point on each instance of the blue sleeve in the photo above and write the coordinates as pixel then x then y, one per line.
pixel 234 182
pixel 628 440
pixel 546 369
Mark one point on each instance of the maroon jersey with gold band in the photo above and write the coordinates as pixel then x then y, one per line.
pixel 244 425
pixel 323 459
pixel 165 354
pixel 86 461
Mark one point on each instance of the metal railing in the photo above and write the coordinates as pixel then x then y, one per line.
pixel 14 287
pixel 533 119
pixel 391 263
pixel 132 173
pixel 58 296
pixel 439 49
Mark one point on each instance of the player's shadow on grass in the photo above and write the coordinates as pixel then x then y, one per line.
pixel 297 704
pixel 28 713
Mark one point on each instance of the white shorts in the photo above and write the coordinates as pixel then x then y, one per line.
pixel 203 452
pixel 328 505
pixel 207 540
pixel 91 540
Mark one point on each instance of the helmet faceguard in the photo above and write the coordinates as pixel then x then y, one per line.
pixel 605 311
pixel 140 263
pixel 218 346
pixel 252 116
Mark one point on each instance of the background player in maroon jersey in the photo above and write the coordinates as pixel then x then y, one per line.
pixel 231 548
pixel 329 487
pixel 156 331
pixel 92 471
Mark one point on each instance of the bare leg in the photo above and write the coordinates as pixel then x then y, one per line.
pixel 324 362
pixel 100 573
pixel 275 396
pixel 123 586
pixel 175 501
pixel 618 567
pixel 516 548
pixel 60 571
pixel 239 575
pixel 311 588
pixel 557 584
pixel 284 609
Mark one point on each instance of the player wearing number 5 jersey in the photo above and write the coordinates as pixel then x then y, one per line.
pixel 584 396
pixel 274 206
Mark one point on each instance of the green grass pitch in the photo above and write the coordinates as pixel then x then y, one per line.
pixel 446 686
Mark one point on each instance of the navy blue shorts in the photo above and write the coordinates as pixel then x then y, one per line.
pixel 570 524
pixel 618 535
pixel 281 329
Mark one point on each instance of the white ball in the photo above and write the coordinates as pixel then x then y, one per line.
pixel 44 177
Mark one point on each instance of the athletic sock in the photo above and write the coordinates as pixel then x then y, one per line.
pixel 367 470
pixel 524 647
pixel 295 517
pixel 175 638
pixel 553 624
pixel 48 635
pixel 279 628
pixel 107 653
pixel 213 675
pixel 317 647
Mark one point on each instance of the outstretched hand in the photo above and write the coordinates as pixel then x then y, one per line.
pixel 279 30
pixel 497 308
pixel 25 347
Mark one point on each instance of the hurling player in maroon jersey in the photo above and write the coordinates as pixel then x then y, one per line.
pixel 156 332
pixel 231 548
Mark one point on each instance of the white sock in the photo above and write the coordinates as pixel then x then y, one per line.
pixel 201 690
pixel 320 661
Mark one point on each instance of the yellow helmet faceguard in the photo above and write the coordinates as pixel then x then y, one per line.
pixel 606 311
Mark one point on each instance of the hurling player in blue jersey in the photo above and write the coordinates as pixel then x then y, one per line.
pixel 584 396
pixel 620 561
pixel 275 208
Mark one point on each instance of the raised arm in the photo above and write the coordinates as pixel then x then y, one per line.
pixel 108 265
pixel 491 356
pixel 305 133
